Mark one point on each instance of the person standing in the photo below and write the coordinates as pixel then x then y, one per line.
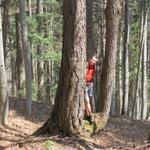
pixel 90 73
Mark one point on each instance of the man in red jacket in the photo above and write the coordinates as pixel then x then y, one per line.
pixel 90 72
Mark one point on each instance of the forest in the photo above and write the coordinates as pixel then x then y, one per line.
pixel 74 74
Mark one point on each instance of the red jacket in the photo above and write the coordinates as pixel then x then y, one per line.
pixel 90 71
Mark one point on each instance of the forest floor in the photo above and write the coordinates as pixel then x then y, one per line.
pixel 120 133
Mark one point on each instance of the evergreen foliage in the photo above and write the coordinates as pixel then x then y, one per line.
pixel 50 37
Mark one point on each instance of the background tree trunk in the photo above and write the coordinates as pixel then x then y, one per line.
pixel 119 82
pixel 26 55
pixel 89 29
pixel 30 7
pixel 137 105
pixel 144 62
pixel 5 25
pixel 40 63
pixel 6 44
pixel 3 81
pixel 20 78
pixel 126 61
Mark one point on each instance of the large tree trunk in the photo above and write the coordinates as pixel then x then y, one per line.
pixel 26 55
pixel 3 82
pixel 113 11
pixel 68 111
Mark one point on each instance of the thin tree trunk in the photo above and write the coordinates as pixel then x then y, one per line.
pixel 48 78
pixel 40 63
pixel 89 28
pixel 144 64
pixel 5 25
pixel 126 61
pixel 136 105
pixel 26 55
pixel 4 102
pixel 119 82
pixel 20 79
pixel 136 110
pixel 99 41
pixel 6 44
pixel 103 28
pixel 30 7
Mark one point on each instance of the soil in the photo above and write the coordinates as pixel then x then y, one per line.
pixel 119 134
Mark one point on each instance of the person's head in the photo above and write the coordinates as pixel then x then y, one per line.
pixel 94 60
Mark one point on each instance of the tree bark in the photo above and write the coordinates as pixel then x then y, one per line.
pixel 6 44
pixel 136 110
pixel 20 79
pixel 113 11
pixel 4 102
pixel 5 25
pixel 119 67
pixel 144 63
pixel 30 7
pixel 40 63
pixel 89 29
pixel 26 55
pixel 126 61
pixel 68 111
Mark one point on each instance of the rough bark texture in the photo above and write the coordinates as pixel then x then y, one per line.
pixel 26 55
pixel 5 24
pixel 6 44
pixel 108 70
pixel 68 111
pixel 20 79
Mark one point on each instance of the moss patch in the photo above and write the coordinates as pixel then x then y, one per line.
pixel 49 145
pixel 88 126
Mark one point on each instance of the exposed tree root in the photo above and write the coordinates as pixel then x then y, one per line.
pixel 33 139
pixel 100 122
pixel 87 130
pixel 42 130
